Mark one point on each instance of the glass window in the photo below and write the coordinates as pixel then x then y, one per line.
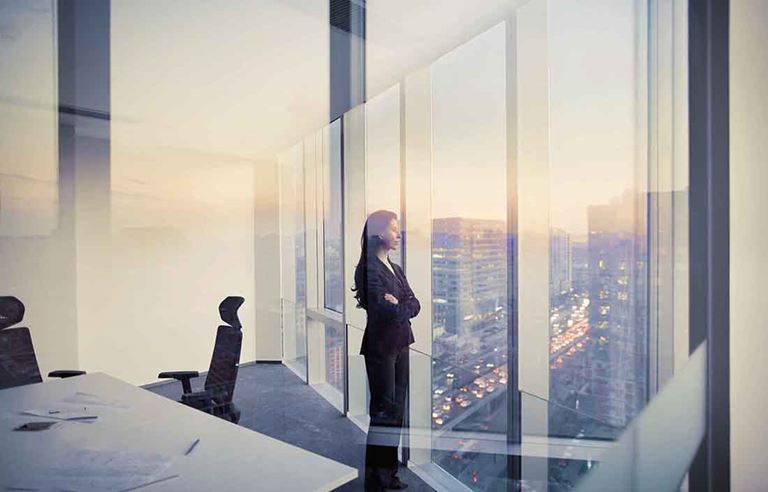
pixel 469 253
pixel 334 357
pixel 598 252
pixel 293 260
pixel 383 156
pixel 333 222
pixel 327 357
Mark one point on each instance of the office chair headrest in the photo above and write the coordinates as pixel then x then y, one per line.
pixel 228 311
pixel 11 311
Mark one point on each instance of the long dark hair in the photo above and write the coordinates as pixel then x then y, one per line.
pixel 370 242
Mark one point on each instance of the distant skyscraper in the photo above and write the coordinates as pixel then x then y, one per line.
pixel 469 349
pixel 560 262
pixel 469 275
pixel 580 266
pixel 617 310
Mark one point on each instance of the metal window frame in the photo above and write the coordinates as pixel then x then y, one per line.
pixel 708 45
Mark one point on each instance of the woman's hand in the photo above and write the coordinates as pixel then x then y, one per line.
pixel 391 298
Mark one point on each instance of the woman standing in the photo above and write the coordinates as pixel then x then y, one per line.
pixel 383 291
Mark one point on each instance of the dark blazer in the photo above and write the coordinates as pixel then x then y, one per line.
pixel 388 329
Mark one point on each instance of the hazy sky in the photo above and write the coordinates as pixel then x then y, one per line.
pixel 592 109
pixel 469 130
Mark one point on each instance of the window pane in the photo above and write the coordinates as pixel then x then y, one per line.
pixel 382 122
pixel 469 253
pixel 293 261
pixel 598 237
pixel 334 357
pixel 358 380
pixel 327 355
pixel 332 222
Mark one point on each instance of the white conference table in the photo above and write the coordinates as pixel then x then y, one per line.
pixel 138 422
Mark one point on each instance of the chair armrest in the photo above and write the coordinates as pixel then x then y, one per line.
pixel 63 374
pixel 201 400
pixel 183 376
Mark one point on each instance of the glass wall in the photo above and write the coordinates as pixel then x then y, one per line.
pixel 314 339
pixel 541 203
pixel 598 236
pixel 469 252
pixel 384 155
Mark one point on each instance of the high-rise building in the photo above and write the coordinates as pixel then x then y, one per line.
pixel 469 277
pixel 617 310
pixel 469 287
pixel 560 262
pixel 469 371
pixel 580 266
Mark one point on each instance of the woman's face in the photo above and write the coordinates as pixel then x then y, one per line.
pixel 390 237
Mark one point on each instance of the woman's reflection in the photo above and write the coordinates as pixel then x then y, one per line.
pixel 383 291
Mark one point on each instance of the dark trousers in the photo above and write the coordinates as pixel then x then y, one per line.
pixel 388 383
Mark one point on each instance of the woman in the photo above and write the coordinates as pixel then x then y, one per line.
pixel 382 290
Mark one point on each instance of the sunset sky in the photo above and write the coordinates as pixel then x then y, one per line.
pixel 592 72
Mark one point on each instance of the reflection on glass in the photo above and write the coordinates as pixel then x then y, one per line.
pixel 37 249
pixel 358 381
pixel 382 127
pixel 469 253
pixel 333 222
pixel 598 354
pixel 28 126
pixel 334 357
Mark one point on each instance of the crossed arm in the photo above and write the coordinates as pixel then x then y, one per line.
pixel 392 307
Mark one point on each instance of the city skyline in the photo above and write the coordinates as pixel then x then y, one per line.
pixel 597 330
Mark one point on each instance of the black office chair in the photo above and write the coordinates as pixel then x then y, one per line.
pixel 216 398
pixel 18 363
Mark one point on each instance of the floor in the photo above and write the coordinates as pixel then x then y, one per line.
pixel 275 402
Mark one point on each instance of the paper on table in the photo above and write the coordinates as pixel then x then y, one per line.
pixel 88 399
pixel 92 470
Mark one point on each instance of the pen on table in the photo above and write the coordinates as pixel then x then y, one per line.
pixel 83 417
pixel 192 446
pixel 153 482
